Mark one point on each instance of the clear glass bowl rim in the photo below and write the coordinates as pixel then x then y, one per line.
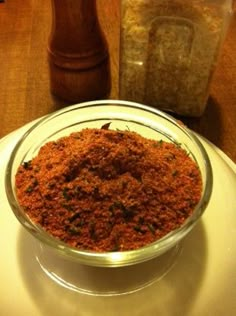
pixel 110 259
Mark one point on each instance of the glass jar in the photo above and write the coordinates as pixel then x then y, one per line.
pixel 169 50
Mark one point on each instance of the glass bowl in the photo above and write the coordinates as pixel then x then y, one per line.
pixel 145 120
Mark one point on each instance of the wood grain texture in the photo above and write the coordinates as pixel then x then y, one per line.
pixel 24 75
pixel 78 52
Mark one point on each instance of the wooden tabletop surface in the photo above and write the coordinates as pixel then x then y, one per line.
pixel 24 77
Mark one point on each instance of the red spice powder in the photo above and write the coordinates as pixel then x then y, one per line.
pixel 107 190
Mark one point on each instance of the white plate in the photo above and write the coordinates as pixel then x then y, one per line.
pixel 202 281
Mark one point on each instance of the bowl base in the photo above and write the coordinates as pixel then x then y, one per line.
pixel 104 281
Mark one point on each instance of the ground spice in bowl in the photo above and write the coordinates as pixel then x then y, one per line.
pixel 109 190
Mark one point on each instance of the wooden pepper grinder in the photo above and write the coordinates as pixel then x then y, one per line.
pixel 78 52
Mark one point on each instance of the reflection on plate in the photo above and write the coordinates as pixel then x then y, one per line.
pixel 202 280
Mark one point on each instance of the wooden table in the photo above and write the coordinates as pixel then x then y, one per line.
pixel 24 78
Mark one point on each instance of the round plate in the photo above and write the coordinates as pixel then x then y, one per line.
pixel 202 280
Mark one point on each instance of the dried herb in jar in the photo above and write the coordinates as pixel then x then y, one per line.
pixel 169 51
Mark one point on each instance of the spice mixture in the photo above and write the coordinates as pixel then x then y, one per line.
pixel 169 50
pixel 107 190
